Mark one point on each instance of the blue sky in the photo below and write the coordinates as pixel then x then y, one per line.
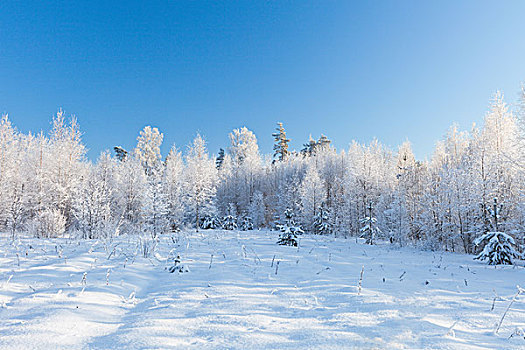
pixel 351 70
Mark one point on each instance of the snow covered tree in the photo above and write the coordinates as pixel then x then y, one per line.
pixel 173 182
pixel 257 209
pixel 281 143
pixel 246 223
pixel 229 222
pixel 370 228
pixel 311 147
pixel 155 209
pixel 148 149
pixel 92 204
pixel 498 247
pixel 220 159
pixel 131 186
pixel 65 164
pixel 120 153
pixel 322 223
pixel 199 181
pixel 312 194
pixel 289 229
pixel 244 168
pixel 211 222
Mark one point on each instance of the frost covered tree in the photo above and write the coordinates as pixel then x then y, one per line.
pixel 257 209
pixel 281 143
pixel 229 222
pixel 199 182
pixel 220 159
pixel 173 187
pixel 244 168
pixel 289 229
pixel 312 146
pixel 92 204
pixel 497 247
pixel 312 194
pixel 369 230
pixel 131 186
pixel 322 223
pixel 148 150
pixel 155 204
pixel 66 160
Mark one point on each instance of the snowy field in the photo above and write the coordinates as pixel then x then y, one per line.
pixel 240 290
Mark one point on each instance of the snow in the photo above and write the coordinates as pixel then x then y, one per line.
pixel 243 291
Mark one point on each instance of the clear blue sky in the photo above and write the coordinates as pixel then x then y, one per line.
pixel 351 70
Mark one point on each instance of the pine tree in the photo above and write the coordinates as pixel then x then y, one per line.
pixel 281 143
pixel 369 229
pixel 289 229
pixel 229 222
pixel 246 223
pixel 322 224
pixel 210 222
pixel 220 159
pixel 498 247
pixel 120 153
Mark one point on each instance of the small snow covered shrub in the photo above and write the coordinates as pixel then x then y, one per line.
pixel 229 222
pixel 498 248
pixel 48 223
pixel 177 265
pixel 289 230
pixel 210 222
pixel 246 224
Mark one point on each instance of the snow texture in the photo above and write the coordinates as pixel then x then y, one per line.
pixel 240 290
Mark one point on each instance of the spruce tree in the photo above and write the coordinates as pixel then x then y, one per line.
pixel 281 143
pixel 369 229
pixel 220 159
pixel 498 247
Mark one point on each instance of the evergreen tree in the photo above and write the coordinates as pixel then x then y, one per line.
pixel 289 229
pixel 322 222
pixel 369 230
pixel 281 143
pixel 229 222
pixel 498 247
pixel 220 159
pixel 120 153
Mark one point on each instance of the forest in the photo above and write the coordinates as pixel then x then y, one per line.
pixel 470 190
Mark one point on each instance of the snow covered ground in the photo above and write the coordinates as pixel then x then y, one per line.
pixel 243 291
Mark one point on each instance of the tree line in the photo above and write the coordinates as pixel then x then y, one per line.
pixel 48 187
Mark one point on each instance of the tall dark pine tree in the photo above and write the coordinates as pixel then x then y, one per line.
pixel 312 146
pixel 220 159
pixel 120 153
pixel 309 147
pixel 281 143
